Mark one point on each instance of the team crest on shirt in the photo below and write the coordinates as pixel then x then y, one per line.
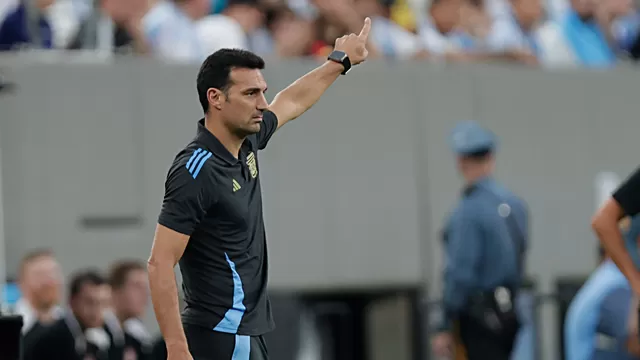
pixel 251 163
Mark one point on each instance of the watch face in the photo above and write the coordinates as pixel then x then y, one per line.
pixel 338 55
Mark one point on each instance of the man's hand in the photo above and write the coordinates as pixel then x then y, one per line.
pixel 306 91
pixel 442 345
pixel 355 46
pixel 178 353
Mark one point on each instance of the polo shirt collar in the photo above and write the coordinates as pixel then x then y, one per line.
pixel 211 141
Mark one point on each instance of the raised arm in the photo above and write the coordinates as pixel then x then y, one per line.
pixel 300 96
pixel 625 201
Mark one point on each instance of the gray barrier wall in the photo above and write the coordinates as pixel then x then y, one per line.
pixel 355 191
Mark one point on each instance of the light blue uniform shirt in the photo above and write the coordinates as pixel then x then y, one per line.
pixel 583 318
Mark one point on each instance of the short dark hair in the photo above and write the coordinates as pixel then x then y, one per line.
pixel 33 255
pixel 120 271
pixel 215 70
pixel 82 278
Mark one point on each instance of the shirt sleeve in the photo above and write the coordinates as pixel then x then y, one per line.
pixel 189 193
pixel 267 128
pixel 628 194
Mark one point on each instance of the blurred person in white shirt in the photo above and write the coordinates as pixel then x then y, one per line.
pixel 516 30
pixel 585 34
pixel 391 39
pixel 232 27
pixel 40 280
pixel 116 25
pixel 470 31
pixel 171 31
pixel 439 29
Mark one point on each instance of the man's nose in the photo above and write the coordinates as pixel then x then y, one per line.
pixel 262 103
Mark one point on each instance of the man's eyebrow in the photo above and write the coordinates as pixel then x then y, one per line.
pixel 251 89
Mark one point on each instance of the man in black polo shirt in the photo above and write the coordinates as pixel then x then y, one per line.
pixel 211 218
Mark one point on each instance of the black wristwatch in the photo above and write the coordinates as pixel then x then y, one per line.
pixel 341 58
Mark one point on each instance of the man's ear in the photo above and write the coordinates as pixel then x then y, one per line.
pixel 216 98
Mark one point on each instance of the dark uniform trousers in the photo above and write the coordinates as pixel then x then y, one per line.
pixel 206 344
pixel 481 344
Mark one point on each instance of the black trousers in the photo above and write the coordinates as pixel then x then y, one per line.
pixel 206 344
pixel 481 344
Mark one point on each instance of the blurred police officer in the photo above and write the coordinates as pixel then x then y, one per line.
pixel 129 300
pixel 79 334
pixel 485 239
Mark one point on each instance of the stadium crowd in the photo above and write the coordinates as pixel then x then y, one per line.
pixel 100 318
pixel 551 33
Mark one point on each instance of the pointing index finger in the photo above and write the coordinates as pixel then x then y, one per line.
pixel 364 33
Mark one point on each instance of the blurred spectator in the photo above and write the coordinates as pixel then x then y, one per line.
pixel 292 36
pixel 326 34
pixel 130 297
pixel 584 30
pixel 231 28
pixel 455 30
pixel 171 31
pixel 634 50
pixel 618 21
pixel 26 26
pixel 626 28
pixel 515 31
pixel 475 24
pixel 392 40
pixel 115 25
pixel 7 6
pixel 40 281
pixel 217 6
pixel 403 15
pixel 344 18
pixel 79 333
pixel 303 8
pixel 486 29
pixel 436 28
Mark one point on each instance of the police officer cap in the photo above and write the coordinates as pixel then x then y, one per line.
pixel 468 137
